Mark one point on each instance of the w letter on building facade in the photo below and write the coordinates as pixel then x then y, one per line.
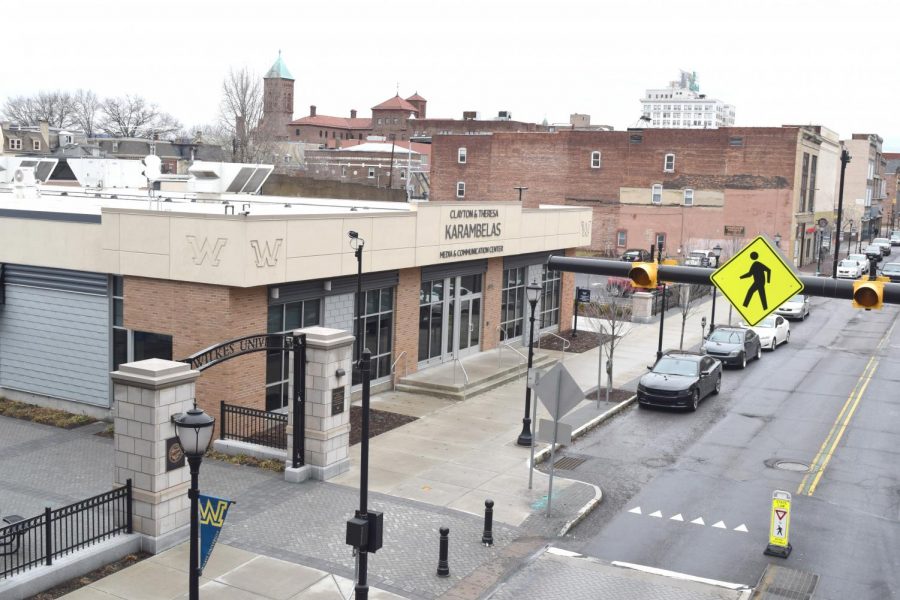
pixel 266 256
pixel 205 250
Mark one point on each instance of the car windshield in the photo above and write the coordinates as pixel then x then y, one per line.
pixel 768 323
pixel 726 336
pixel 668 365
pixel 881 241
pixel 698 254
pixel 797 298
pixel 849 263
pixel 857 257
pixel 891 268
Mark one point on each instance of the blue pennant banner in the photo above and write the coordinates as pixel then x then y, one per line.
pixel 212 517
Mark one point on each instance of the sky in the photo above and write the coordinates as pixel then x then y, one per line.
pixel 778 62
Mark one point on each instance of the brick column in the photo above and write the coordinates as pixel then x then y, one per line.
pixel 491 297
pixel 147 393
pixel 567 296
pixel 327 436
pixel 406 323
pixel 642 307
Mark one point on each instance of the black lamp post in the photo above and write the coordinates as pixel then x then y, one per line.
pixel 845 158
pixel 662 311
pixel 717 252
pixel 357 243
pixel 532 292
pixel 195 431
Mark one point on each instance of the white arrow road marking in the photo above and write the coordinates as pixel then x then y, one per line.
pixel 699 521
pixel 741 527
pixel 720 525
pixel 656 514
pixel 677 517
pixel 636 510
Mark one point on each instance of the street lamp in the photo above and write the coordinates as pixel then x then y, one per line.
pixel 194 430
pixel 717 252
pixel 532 292
pixel 357 243
pixel 845 158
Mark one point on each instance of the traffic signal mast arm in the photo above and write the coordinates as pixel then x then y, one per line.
pixel 812 286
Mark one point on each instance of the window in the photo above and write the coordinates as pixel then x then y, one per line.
pixel 35 144
pixel 287 158
pixel 595 159
pixel 656 194
pixel 402 174
pixel 735 140
pixel 396 120
pixel 551 284
pixel 460 189
pixel 115 147
pixel 621 238
pixel 377 330
pixel 153 149
pixel 297 131
pixel 871 169
pixel 813 166
pixel 129 345
pixel 635 138
pixel 461 156
pixel 284 318
pixel 688 197
pixel 371 172
pixel 669 163
pixel 344 171
pixel 15 144
pixel 661 241
pixel 512 304
pixel 868 196
pixel 804 182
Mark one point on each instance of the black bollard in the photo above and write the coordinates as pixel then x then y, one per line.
pixel 487 538
pixel 443 569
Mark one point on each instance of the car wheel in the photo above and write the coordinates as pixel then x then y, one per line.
pixel 695 400
pixel 803 316
pixel 774 343
pixel 743 360
pixel 718 387
pixel 759 351
pixel 787 337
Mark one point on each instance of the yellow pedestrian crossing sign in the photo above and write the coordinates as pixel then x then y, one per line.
pixel 757 280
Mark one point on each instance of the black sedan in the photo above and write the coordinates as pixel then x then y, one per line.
pixel 680 379
pixel 733 345
pixel 636 255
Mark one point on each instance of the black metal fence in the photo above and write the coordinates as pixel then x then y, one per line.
pixel 253 426
pixel 37 541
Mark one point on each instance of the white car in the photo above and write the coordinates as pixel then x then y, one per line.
pixel 773 331
pixel 795 308
pixel 849 269
pixel 861 259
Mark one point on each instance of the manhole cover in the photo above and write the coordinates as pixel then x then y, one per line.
pixel 568 463
pixel 791 465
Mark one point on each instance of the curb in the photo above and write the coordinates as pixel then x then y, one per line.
pixel 585 510
pixel 541 455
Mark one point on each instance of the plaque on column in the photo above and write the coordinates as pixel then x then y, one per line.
pixel 337 401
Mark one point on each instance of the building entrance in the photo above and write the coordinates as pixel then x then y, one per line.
pixel 449 318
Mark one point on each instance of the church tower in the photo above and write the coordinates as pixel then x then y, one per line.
pixel 278 98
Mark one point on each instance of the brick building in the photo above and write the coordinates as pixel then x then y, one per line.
pixel 864 184
pixel 892 184
pixel 688 189
pixel 380 164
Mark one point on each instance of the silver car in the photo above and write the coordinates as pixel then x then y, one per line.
pixel 795 308
pixel 884 244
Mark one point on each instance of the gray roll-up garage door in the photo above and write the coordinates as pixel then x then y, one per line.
pixel 54 334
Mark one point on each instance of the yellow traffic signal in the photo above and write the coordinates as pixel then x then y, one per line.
pixel 643 275
pixel 868 294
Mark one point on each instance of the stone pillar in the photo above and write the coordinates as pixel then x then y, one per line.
pixel 642 307
pixel 147 393
pixel 329 355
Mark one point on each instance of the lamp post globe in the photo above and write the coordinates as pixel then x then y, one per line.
pixel 532 293
pixel 195 431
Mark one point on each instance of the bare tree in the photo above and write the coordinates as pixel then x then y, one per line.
pixel 134 116
pixel 241 116
pixel 85 107
pixel 610 316
pixel 687 295
pixel 56 108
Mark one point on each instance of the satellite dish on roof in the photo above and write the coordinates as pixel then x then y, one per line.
pixel 152 167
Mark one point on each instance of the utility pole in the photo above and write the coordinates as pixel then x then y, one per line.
pixel 845 158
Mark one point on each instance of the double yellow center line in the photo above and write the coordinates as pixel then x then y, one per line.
pixel 829 446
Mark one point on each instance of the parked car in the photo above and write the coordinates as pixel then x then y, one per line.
pixel 891 270
pixel 795 308
pixel 874 250
pixel 861 259
pixel 702 258
pixel 772 331
pixel 885 245
pixel 636 255
pixel 680 379
pixel 895 238
pixel 624 287
pixel 733 345
pixel 849 269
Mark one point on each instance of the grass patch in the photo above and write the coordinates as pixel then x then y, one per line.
pixel 44 416
pixel 89 578
pixel 269 464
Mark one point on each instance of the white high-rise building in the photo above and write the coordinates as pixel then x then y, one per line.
pixel 682 106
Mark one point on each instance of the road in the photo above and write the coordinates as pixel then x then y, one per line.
pixel 828 399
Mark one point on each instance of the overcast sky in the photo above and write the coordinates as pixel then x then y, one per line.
pixel 784 61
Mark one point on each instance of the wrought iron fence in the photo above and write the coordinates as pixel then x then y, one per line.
pixel 253 426
pixel 37 541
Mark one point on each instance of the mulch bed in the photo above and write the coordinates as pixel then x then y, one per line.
pixel 615 395
pixel 95 575
pixel 380 421
pixel 584 341
pixel 44 416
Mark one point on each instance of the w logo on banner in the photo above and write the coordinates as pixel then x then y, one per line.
pixel 212 517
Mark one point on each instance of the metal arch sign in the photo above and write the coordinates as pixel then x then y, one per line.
pixel 209 357
pixel 757 280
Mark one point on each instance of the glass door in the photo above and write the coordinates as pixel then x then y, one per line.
pixel 449 318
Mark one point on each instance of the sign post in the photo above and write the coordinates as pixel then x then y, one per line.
pixel 781 519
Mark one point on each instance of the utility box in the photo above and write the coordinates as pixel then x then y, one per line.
pixel 376 530
pixel 357 532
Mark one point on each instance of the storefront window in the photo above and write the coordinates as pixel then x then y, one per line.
pixel 431 315
pixel 284 318
pixel 512 303
pixel 378 328
pixel 551 283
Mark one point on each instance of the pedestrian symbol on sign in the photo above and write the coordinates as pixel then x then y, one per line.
pixel 761 275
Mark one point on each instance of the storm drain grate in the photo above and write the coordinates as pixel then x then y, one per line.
pixel 568 463
pixel 782 583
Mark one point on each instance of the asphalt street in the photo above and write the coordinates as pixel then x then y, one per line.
pixel 692 492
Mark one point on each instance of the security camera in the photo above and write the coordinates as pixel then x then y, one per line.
pixel 353 235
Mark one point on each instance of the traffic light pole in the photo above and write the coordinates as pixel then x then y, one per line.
pixel 824 287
